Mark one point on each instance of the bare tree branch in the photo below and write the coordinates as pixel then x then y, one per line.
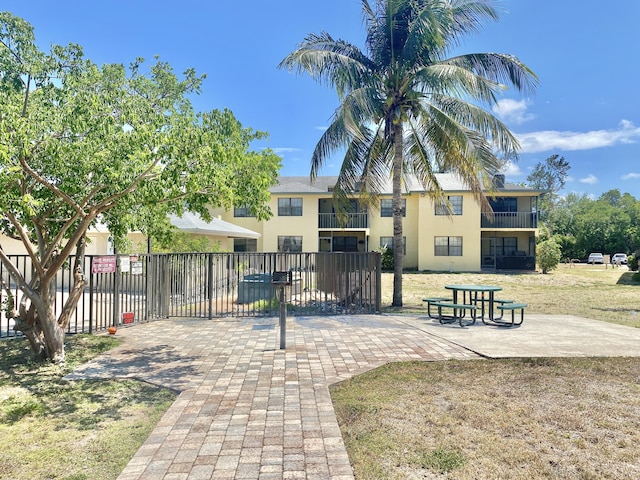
pixel 25 241
pixel 48 185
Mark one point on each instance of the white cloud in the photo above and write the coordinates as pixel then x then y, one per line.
pixel 512 170
pixel 322 129
pixel 630 176
pixel 589 179
pixel 512 111
pixel 547 140
pixel 283 150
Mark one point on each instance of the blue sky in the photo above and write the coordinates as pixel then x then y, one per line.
pixel 586 55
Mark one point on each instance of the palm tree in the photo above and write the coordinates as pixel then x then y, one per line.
pixel 407 108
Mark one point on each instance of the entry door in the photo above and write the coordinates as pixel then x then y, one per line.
pixel 488 253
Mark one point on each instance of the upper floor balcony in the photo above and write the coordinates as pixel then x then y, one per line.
pixel 510 220
pixel 350 221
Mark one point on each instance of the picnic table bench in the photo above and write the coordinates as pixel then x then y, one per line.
pixel 511 307
pixel 431 300
pixel 458 312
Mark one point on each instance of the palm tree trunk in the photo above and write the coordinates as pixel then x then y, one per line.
pixel 398 252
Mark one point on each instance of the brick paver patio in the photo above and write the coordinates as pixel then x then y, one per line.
pixel 246 409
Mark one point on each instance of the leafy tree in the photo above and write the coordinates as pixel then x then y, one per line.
pixel 549 177
pixel 81 143
pixel 548 253
pixel 185 242
pixel 407 107
pixel 608 224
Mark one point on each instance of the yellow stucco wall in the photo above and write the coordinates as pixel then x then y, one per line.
pixel 466 226
pixel 11 246
pixel 305 226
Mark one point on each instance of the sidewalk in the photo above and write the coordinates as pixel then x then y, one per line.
pixel 248 410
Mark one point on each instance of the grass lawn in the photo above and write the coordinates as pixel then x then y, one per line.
pixel 560 418
pixel 54 429
pixel 590 291
pixel 526 419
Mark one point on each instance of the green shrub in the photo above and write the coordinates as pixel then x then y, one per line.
pixel 387 259
pixel 267 304
pixel 549 254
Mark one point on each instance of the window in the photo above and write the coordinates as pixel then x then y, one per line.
pixel 289 244
pixel 453 208
pixel 245 245
pixel 290 207
pixel 345 244
pixel 386 207
pixel 506 245
pixel 387 242
pixel 448 246
pixel 504 204
pixel 242 212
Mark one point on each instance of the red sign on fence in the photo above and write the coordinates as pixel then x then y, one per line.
pixel 104 264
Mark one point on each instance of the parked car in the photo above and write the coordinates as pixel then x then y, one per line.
pixel 619 259
pixel 595 258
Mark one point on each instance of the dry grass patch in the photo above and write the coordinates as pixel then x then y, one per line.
pixel 86 430
pixel 575 418
pixel 589 291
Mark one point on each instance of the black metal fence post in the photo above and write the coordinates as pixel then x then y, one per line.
pixel 283 320
pixel 116 293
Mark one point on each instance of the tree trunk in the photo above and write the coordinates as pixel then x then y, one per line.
pixel 34 336
pixel 398 248
pixel 39 324
pixel 54 339
pixel 53 333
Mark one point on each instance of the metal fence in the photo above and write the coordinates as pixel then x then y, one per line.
pixel 209 285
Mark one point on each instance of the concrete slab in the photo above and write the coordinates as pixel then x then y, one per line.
pixel 540 336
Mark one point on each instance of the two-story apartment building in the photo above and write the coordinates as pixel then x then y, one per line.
pixel 453 236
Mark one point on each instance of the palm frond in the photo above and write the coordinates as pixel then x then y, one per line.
pixel 457 148
pixel 365 168
pixel 499 67
pixel 335 62
pixel 349 125
pixel 427 34
pixel 470 15
pixel 473 117
pixel 453 80
pixel 419 160
pixel 334 138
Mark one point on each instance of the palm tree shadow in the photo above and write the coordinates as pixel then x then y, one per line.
pixel 627 279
